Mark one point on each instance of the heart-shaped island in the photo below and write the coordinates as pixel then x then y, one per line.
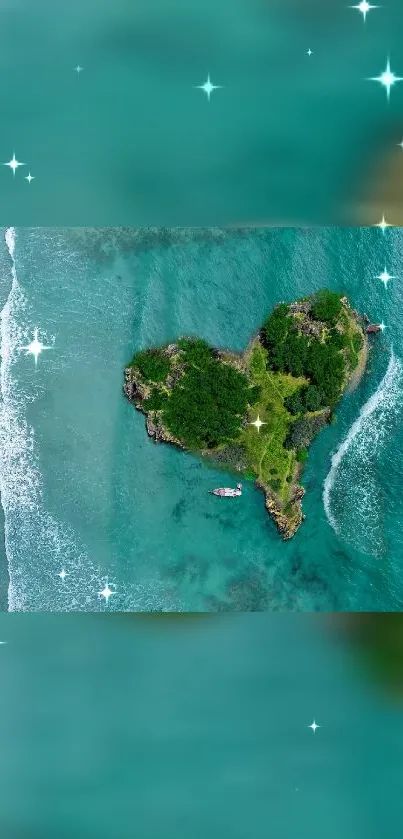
pixel 256 413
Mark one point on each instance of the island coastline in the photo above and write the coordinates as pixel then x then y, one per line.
pixel 257 366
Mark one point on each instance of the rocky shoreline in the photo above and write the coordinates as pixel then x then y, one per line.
pixel 136 394
pixel 286 526
pixel 286 513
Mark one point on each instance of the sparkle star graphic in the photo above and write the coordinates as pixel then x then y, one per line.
pixel 78 69
pixel 387 79
pixel 382 326
pixel 309 52
pixel 400 144
pixel 62 574
pixel 208 87
pixel 385 277
pixel 29 177
pixel 14 163
pixel 364 8
pixel 35 347
pixel 257 423
pixel 106 593
pixel 382 224
pixel 314 726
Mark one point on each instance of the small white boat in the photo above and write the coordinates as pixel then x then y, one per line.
pixel 227 492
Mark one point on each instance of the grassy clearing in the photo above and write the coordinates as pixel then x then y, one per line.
pixel 270 461
pixel 353 335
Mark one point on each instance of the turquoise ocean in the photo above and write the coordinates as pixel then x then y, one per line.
pixel 288 139
pixel 121 725
pixel 84 489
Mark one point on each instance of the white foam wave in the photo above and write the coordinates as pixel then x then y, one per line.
pixel 38 546
pixel 10 242
pixel 354 510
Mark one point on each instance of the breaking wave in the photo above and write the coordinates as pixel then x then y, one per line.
pixel 37 546
pixel 352 493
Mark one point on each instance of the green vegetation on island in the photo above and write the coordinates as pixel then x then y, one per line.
pixel 289 378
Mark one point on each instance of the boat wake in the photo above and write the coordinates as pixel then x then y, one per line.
pixel 352 496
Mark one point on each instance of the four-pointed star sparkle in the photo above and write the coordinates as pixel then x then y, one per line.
pixel 62 574
pixel 14 163
pixel 257 423
pixel 208 87
pixel 364 7
pixel 309 52
pixel 35 347
pixel 382 224
pixel 385 277
pixel 387 79
pixel 78 69
pixel 314 726
pixel 29 177
pixel 106 593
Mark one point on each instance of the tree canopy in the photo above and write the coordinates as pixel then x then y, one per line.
pixel 326 306
pixel 195 352
pixel 206 407
pixel 292 351
pixel 153 364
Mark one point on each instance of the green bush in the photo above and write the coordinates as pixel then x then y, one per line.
pixel 325 367
pixel 302 431
pixel 337 340
pixel 291 351
pixel 289 355
pixel 154 365
pixel 196 352
pixel 302 455
pixel 206 407
pixel 255 393
pixel 275 483
pixel 276 326
pixel 327 306
pixel 233 456
pixel 313 398
pixel 308 398
pixel 155 401
pixel 295 403
pixel 294 354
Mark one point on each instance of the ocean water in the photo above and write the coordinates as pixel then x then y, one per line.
pixel 290 138
pixel 192 727
pixel 84 489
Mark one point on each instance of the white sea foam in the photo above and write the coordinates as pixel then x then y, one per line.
pixel 351 495
pixel 20 484
pixel 38 546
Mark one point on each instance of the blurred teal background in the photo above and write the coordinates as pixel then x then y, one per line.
pixel 290 138
pixel 113 726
